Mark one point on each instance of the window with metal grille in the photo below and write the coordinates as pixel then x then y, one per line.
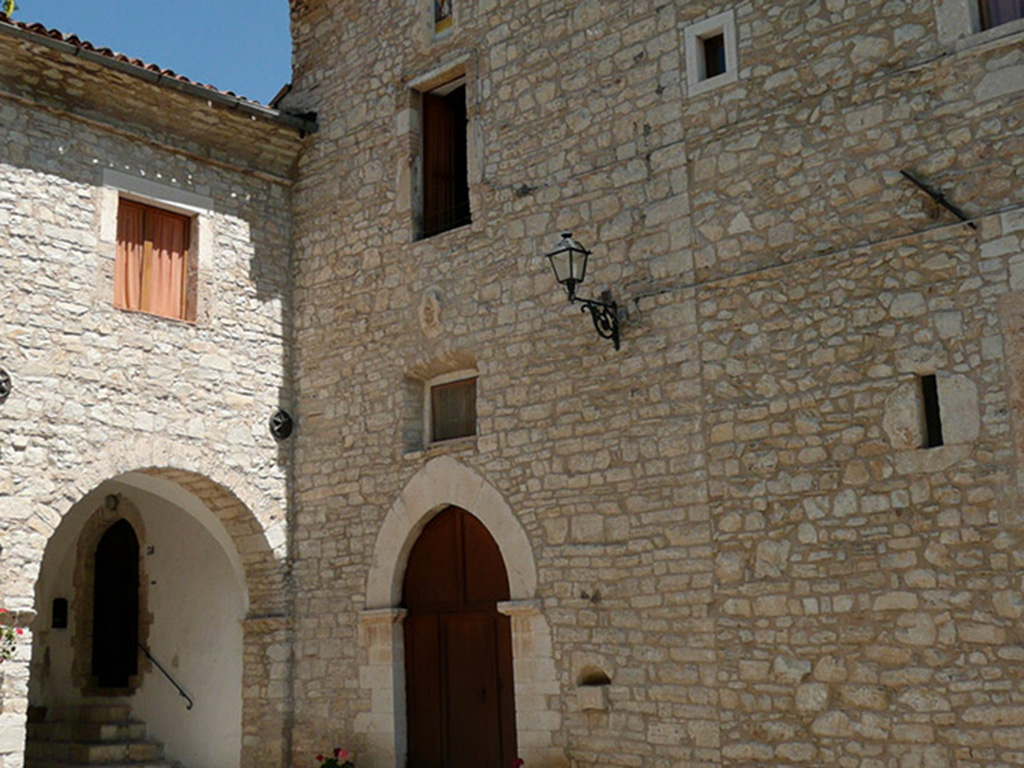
pixel 445 168
pixel 452 410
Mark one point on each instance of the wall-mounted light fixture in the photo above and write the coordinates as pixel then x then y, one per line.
pixel 5 385
pixel 281 424
pixel 569 262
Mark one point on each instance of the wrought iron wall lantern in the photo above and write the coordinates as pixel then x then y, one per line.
pixel 569 262
pixel 5 385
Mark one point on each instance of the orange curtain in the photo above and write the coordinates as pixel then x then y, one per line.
pixel 151 264
pixel 163 287
pixel 130 249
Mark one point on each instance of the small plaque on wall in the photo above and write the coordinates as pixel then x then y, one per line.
pixel 442 16
pixel 59 618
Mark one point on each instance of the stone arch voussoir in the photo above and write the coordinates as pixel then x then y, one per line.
pixel 264 568
pixel 441 483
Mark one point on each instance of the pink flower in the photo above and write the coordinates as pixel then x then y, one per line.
pixel 319 758
pixel 518 762
pixel 19 631
pixel 340 754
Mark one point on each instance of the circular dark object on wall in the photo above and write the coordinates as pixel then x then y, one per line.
pixel 281 424
pixel 5 385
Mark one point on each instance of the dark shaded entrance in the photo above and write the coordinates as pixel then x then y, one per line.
pixel 115 618
pixel 458 648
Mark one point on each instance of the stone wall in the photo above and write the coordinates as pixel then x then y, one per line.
pixel 732 516
pixel 99 392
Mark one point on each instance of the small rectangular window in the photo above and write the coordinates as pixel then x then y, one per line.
pixel 445 167
pixel 996 12
pixel 932 415
pixel 714 55
pixel 453 410
pixel 151 266
pixel 712 58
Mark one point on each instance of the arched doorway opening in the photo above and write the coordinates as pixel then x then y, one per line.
pixel 115 624
pixel 458 648
pixel 208 586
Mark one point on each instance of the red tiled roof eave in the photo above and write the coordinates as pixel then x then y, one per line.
pixel 85 45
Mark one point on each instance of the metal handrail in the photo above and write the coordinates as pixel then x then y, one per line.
pixel 159 666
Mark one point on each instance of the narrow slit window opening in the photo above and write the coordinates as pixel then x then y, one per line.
pixel 931 412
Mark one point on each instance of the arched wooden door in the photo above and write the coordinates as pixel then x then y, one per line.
pixel 115 623
pixel 458 648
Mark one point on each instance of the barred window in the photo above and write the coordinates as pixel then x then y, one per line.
pixel 445 168
pixel 452 410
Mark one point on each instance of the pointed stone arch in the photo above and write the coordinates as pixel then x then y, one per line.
pixel 441 483
pixel 444 482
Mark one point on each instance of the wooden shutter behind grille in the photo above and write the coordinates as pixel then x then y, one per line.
pixel 445 174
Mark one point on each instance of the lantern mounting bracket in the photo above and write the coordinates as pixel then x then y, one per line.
pixel 605 315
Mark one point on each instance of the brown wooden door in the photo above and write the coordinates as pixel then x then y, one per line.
pixel 115 622
pixel 458 648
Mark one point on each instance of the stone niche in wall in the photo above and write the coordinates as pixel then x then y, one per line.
pixel 592 685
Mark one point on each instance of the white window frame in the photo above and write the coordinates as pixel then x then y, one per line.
pixel 428 387
pixel 694 36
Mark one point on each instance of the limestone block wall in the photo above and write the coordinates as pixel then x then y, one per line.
pixel 732 516
pixel 99 392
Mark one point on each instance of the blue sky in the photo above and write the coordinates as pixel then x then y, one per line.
pixel 237 46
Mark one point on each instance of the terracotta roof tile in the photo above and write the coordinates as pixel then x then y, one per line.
pixel 76 41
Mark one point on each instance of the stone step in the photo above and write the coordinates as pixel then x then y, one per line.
pixel 96 735
pixel 85 753
pixel 88 732
pixel 92 713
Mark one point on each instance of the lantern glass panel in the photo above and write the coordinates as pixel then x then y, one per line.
pixel 578 265
pixel 560 265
